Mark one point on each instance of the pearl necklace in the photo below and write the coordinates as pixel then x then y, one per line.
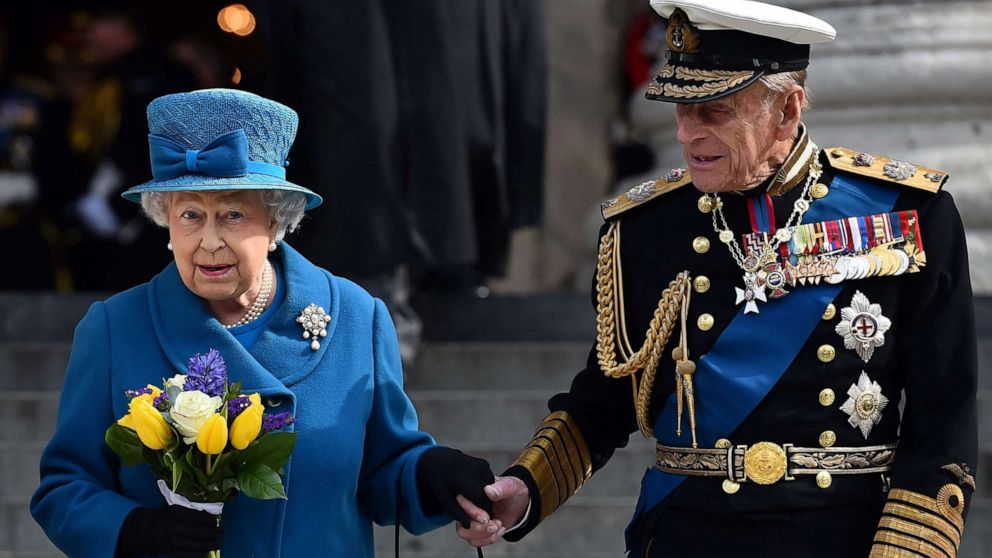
pixel 258 305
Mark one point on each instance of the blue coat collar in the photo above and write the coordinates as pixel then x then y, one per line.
pixel 279 359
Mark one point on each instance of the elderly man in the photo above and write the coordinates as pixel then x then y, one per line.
pixel 761 314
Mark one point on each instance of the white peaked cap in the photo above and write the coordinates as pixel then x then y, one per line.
pixel 757 18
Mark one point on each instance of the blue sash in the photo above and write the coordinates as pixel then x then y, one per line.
pixel 734 377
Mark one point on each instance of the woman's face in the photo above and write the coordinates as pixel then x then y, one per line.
pixel 220 241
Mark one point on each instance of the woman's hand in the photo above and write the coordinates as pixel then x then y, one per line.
pixel 170 530
pixel 443 474
pixel 510 498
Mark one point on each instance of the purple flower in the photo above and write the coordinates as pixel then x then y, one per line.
pixel 206 373
pixel 276 422
pixel 236 405
pixel 132 393
pixel 161 402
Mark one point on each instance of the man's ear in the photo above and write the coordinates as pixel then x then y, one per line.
pixel 791 113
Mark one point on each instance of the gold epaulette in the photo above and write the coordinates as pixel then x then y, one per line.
pixel 557 458
pixel 645 192
pixel 915 525
pixel 884 168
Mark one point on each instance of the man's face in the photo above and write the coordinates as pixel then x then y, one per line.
pixel 727 143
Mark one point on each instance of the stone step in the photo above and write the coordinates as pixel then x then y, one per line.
pixel 40 366
pixel 33 365
pixel 580 529
pixel 481 420
pixel 19 533
pixel 497 366
pixel 539 318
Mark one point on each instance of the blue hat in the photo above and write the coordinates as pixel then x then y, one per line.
pixel 219 139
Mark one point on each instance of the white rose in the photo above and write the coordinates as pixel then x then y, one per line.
pixel 176 381
pixel 190 410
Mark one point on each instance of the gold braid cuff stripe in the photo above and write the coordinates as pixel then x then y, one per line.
pixel 916 523
pixel 897 544
pixel 558 460
pixel 910 522
pixel 935 506
pixel 609 314
pixel 732 462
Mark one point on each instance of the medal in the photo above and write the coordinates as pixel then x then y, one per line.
pixel 863 326
pixel 761 264
pixel 751 293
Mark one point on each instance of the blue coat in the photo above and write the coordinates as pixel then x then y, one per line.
pixel 358 445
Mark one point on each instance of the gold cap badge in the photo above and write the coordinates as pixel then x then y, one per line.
pixel 682 36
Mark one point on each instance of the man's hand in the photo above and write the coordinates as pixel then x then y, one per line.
pixel 510 498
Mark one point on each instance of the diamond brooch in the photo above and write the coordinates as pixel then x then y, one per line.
pixel 314 322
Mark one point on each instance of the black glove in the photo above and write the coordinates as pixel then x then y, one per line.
pixel 170 530
pixel 443 473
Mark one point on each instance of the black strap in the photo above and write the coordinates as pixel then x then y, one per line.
pixel 734 63
pixel 396 536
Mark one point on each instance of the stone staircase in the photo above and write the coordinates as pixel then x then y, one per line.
pixel 484 397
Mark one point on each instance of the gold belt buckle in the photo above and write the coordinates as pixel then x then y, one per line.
pixel 765 463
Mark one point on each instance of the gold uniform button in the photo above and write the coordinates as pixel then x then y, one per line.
pixel 722 443
pixel 731 487
pixel 705 322
pixel 701 244
pixel 830 312
pixel 828 438
pixel 827 397
pixel 826 353
pixel 701 284
pixel 819 190
pixel 705 204
pixel 823 479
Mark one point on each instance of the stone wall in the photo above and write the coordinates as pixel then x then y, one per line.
pixel 906 79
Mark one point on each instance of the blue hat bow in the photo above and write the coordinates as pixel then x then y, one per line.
pixel 225 156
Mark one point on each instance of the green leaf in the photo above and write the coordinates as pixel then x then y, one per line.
pixel 125 443
pixel 261 482
pixel 154 460
pixel 272 450
pixel 222 467
pixel 201 477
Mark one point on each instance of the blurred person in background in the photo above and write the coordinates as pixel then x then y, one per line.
pixel 27 226
pixel 423 126
pixel 117 249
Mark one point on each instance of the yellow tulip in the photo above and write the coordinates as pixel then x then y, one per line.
pixel 126 421
pixel 248 424
pixel 212 437
pixel 151 427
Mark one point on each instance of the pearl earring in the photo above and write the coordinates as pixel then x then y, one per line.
pixel 272 246
pixel 169 245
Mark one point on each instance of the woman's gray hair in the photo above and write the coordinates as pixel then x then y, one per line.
pixel 284 207
pixel 782 82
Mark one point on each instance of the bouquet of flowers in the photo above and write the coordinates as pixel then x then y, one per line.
pixel 204 440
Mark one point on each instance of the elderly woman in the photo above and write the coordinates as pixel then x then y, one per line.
pixel 219 186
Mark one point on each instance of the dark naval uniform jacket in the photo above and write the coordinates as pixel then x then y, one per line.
pixel 804 446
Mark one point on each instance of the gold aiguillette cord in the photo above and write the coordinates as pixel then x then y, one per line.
pixel 684 370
